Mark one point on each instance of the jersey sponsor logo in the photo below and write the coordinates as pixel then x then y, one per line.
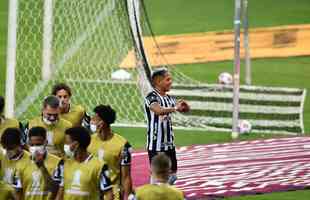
pixel 8 175
pixel 101 154
pixel 36 177
pixel 50 137
pixel 76 181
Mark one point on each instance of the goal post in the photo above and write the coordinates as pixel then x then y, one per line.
pixel 11 59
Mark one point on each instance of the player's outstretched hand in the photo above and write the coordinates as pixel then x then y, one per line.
pixel 182 106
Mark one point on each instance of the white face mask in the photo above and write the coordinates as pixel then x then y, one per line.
pixel 48 122
pixel 37 150
pixel 3 151
pixel 93 127
pixel 68 152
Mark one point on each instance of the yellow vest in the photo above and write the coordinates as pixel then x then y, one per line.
pixel 158 192
pixel 109 151
pixel 6 191
pixel 32 180
pixel 8 167
pixel 8 123
pixel 81 180
pixel 75 115
pixel 55 134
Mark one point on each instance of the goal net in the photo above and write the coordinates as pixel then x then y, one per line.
pixel 81 43
pixel 105 50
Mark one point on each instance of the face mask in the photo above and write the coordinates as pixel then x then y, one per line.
pixel 4 151
pixel 68 152
pixel 37 150
pixel 49 122
pixel 93 127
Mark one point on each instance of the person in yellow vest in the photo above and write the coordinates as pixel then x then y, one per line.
pixel 14 155
pixel 6 191
pixel 54 125
pixel 160 189
pixel 84 177
pixel 72 113
pixel 113 149
pixel 34 180
pixel 6 122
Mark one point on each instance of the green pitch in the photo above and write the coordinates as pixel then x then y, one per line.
pixel 184 16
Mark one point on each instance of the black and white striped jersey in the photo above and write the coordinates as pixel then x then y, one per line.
pixel 160 135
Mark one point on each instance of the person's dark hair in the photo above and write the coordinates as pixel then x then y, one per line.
pixel 61 86
pixel 161 164
pixel 51 101
pixel 37 131
pixel 106 113
pixel 159 72
pixel 79 134
pixel 11 137
pixel 1 104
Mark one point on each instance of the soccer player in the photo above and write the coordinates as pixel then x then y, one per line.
pixel 6 191
pixel 54 125
pixel 160 189
pixel 112 148
pixel 84 176
pixel 7 122
pixel 14 156
pixel 72 113
pixel 158 109
pixel 34 180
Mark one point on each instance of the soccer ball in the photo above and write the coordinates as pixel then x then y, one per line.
pixel 244 126
pixel 225 78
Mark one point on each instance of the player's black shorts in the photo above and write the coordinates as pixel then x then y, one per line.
pixel 170 153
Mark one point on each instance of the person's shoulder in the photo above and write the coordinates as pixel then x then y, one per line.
pixel 26 154
pixel 119 138
pixel 94 160
pixel 35 120
pixel 64 123
pixel 78 108
pixel 96 164
pixel 53 158
pixel 151 93
pixel 175 190
pixel 94 139
pixel 143 188
pixel 12 122
pixel 152 97
pixel 24 160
